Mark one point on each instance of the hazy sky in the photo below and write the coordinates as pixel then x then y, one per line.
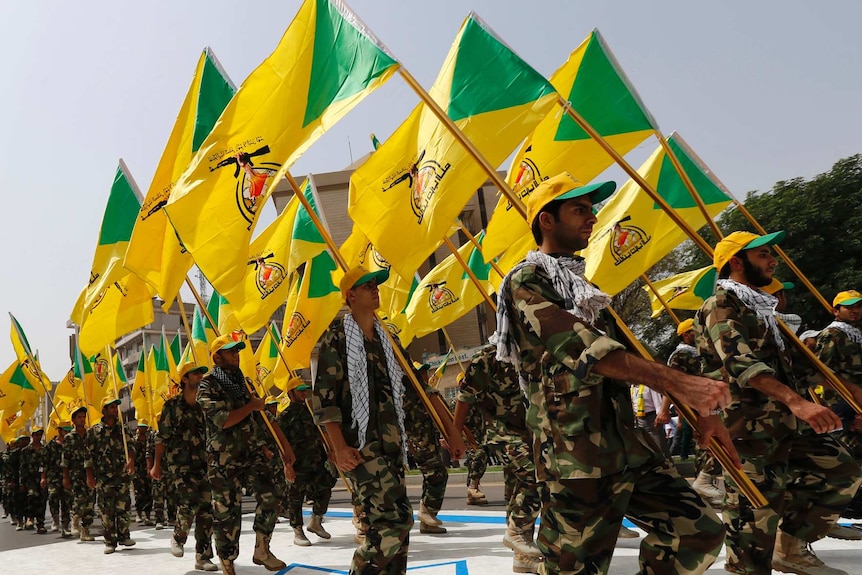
pixel 762 91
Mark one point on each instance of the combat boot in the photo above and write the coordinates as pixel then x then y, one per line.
pixel 427 517
pixel 847 533
pixel 431 529
pixel 316 527
pixel 263 556
pixel 203 563
pixel 475 495
pixel 626 533
pixel 55 525
pixel 792 555
pixel 20 526
pixel 520 541
pixel 227 567
pixel 64 529
pixel 176 547
pixel 299 538
pixel 76 526
pixel 704 487
pixel 29 523
pixel 525 563
pixel 85 534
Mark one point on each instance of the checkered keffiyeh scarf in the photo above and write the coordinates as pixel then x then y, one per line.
pixel 852 332
pixel 581 298
pixel 682 348
pixel 357 375
pixel 760 302
pixel 232 382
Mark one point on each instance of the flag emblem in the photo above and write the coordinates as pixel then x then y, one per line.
pixel 439 297
pixel 254 182
pixel 627 240
pixel 677 291
pixel 423 179
pixel 378 259
pixel 100 370
pixel 526 181
pixel 295 327
pixel 269 275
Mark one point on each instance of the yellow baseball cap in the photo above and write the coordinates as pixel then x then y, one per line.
pixel 36 430
pixel 358 276
pixel 777 285
pixel 850 297
pixel 296 383
pixel 65 425
pixel 564 187
pixel 227 341
pixel 191 367
pixel 143 423
pixel 684 326
pixel 271 400
pixel 108 400
pixel 733 243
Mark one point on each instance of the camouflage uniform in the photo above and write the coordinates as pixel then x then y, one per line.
pixel 13 467
pixel 598 467
pixel 106 456
pixel 182 430
pixel 687 361
pixel 235 456
pixel 275 464
pixel 4 457
pixel 59 499
pixel 74 457
pixel 774 446
pixel 424 445
pixel 378 482
pixel 313 480
pixel 161 494
pixel 492 388
pixel 476 457
pixel 30 476
pixel 141 481
pixel 844 357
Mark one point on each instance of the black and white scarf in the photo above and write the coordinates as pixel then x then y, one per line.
pixel 232 382
pixel 760 302
pixel 682 348
pixel 852 332
pixel 581 298
pixel 357 375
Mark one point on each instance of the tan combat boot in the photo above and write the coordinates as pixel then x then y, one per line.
pixel 475 495
pixel 263 556
pixel 316 527
pixel 520 541
pixel 427 517
pixel 792 555
pixel 85 534
pixel 76 525
pixel 203 563
pixel 525 563
pixel 299 538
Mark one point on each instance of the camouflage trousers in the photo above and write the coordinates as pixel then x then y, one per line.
pixel 807 481
pixel 194 503
pixel 523 490
pixel 83 500
pixel 164 500
pixel 582 517
pixel 227 482
pixel 477 463
pixel 59 502
pixel 143 493
pixel 426 453
pixel 316 487
pixel 36 500
pixel 381 492
pixel 115 505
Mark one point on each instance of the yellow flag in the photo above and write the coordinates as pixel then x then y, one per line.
pixel 446 293
pixel 124 306
pixel 141 389
pixel 29 360
pixel 415 185
pixel 124 202
pixel 633 233
pixel 266 358
pixel 687 290
pixel 154 253
pixel 202 336
pixel 325 64
pixel 13 383
pixel 313 303
pixel 598 89
pixel 513 255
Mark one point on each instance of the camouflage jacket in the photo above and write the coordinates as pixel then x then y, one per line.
pixel 298 426
pixel 13 465
pixel 141 451
pixel 30 470
pixel 418 423
pixel 844 357
pixel 106 455
pixel 52 455
pixel 75 455
pixel 492 388
pixel 183 432
pixel 736 345
pixel 582 423
pixel 233 445
pixel 331 399
pixel 685 361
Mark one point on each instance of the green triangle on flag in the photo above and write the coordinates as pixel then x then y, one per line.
pixel 320 276
pixel 122 210
pixel 602 94
pixel 215 91
pixel 303 226
pixel 476 261
pixel 672 188
pixel 337 39
pixel 516 81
